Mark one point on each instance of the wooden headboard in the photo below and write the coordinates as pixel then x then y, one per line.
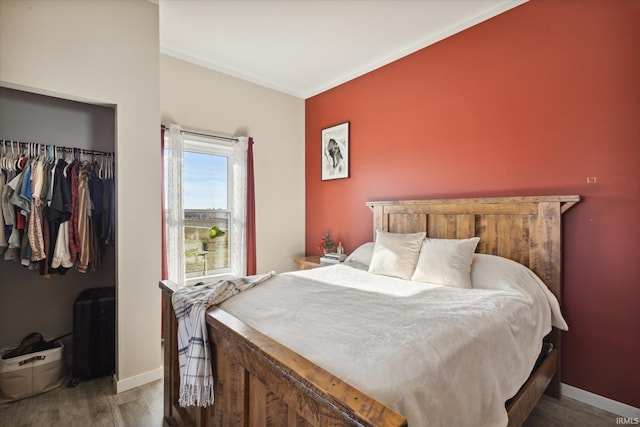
pixel 524 229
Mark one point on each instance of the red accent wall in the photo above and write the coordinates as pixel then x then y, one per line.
pixel 531 102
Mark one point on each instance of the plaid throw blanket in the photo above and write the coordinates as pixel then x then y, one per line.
pixel 190 305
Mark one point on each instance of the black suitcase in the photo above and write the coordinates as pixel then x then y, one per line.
pixel 94 334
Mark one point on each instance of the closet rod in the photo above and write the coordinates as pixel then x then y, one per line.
pixel 83 151
pixel 22 145
pixel 188 132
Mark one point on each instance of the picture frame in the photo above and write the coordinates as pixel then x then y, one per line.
pixel 334 152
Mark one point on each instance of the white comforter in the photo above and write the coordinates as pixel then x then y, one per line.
pixel 438 355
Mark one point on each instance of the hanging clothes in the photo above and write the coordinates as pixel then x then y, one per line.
pixel 7 210
pixel 36 239
pixel 74 240
pixel 56 207
pixel 59 212
pixel 84 212
pixel 3 237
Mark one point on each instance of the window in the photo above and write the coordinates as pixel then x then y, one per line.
pixel 206 206
pixel 200 180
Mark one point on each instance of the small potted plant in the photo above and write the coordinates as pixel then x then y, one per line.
pixel 326 244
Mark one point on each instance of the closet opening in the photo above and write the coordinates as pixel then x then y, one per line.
pixel 39 295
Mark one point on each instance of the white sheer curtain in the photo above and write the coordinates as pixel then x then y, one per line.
pixel 175 212
pixel 239 208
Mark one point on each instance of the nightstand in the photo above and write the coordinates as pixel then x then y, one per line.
pixel 306 263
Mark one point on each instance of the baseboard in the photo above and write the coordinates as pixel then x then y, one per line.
pixel 601 402
pixel 138 380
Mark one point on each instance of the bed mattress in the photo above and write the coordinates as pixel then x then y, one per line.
pixel 438 355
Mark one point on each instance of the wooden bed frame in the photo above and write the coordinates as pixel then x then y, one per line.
pixel 259 382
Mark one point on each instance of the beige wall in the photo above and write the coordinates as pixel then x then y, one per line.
pixel 201 99
pixel 106 53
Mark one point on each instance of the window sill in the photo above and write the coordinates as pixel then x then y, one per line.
pixel 207 279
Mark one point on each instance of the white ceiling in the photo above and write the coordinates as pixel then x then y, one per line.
pixel 304 47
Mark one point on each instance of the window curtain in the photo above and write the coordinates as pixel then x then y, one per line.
pixel 251 213
pixel 239 208
pixel 163 202
pixel 164 227
pixel 243 230
pixel 243 240
pixel 174 213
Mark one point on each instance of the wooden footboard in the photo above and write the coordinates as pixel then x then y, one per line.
pixel 259 382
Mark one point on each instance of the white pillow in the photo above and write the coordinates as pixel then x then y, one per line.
pixel 396 254
pixel 362 254
pixel 446 262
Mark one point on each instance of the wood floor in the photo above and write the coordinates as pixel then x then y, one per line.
pixel 93 403
pixel 568 413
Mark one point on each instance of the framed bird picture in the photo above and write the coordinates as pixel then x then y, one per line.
pixel 335 152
